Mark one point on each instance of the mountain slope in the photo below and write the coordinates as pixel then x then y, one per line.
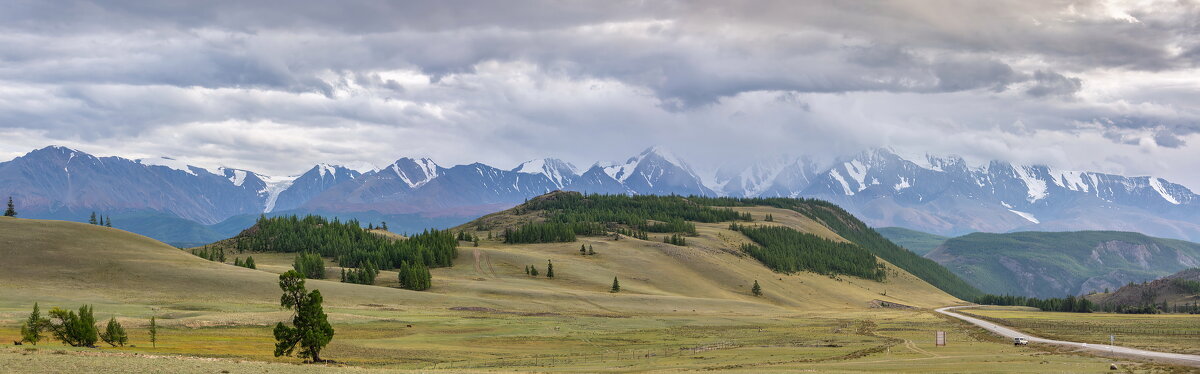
pixel 1180 289
pixel 1045 264
pixel 913 240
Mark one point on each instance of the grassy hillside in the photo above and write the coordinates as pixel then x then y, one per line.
pixel 918 242
pixel 681 308
pixel 1056 264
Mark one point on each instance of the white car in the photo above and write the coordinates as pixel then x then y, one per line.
pixel 1020 341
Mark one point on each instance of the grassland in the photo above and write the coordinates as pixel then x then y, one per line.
pixel 681 309
pixel 1178 333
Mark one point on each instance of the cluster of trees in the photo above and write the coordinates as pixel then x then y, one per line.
pixel 770 218
pixel 363 275
pixel 310 265
pixel 786 250
pixel 414 277
pixel 11 211
pixel 854 230
pixel 249 263
pixel 347 242
pixel 542 232
pixel 103 221
pixel 1151 308
pixel 607 213
pixel 74 329
pixel 310 330
pixel 215 253
pixel 671 225
pixel 1070 304
pixel 533 271
pixel 636 234
pixel 675 239
pixel 587 250
pixel 382 226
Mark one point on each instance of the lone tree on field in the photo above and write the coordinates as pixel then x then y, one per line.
pixel 12 210
pixel 153 331
pixel 92 220
pixel 616 286
pixel 310 328
pixel 31 330
pixel 114 334
pixel 549 269
pixel 756 290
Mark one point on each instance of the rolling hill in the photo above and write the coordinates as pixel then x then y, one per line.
pixel 1179 290
pixel 1056 264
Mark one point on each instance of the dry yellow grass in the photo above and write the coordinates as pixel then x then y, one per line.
pixel 681 308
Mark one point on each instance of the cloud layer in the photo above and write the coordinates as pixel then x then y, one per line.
pixel 1104 85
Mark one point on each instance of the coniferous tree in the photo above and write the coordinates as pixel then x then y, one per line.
pixel 549 269
pixel 756 290
pixel 582 249
pixel 114 334
pixel 383 225
pixel 92 220
pixel 414 277
pixel 12 210
pixel 31 330
pixel 591 251
pixel 237 261
pixel 310 265
pixel 533 271
pixel 250 263
pixel 616 286
pixel 526 269
pixel 310 329
pixel 107 221
pixel 76 330
pixel 153 331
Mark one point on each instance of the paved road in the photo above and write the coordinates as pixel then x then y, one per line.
pixel 1104 349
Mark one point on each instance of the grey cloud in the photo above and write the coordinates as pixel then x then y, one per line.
pixel 1048 83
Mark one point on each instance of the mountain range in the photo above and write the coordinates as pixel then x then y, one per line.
pixel 938 195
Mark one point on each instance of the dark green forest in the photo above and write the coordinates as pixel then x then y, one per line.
pixel 347 242
pixel 786 250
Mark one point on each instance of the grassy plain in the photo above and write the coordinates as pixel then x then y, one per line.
pixel 680 309
pixel 1179 333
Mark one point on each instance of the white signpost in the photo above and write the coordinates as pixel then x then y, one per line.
pixel 941 339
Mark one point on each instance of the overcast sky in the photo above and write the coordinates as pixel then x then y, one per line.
pixel 1111 86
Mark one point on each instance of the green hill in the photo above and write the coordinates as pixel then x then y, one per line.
pixel 1056 264
pixel 917 241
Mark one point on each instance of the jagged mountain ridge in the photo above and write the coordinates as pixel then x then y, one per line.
pixel 942 195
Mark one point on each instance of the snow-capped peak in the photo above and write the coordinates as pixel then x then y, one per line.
pixel 168 162
pixel 557 170
pixel 1157 185
pixel 415 172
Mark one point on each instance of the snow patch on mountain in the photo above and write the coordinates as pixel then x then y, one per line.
pixel 1027 216
pixel 275 186
pixel 556 170
pixel 838 177
pixel 1036 187
pixel 168 162
pixel 1156 184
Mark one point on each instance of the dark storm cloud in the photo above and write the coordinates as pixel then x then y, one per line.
pixel 518 79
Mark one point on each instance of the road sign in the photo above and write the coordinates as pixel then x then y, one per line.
pixel 941 339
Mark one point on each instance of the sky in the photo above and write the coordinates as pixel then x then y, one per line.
pixel 275 87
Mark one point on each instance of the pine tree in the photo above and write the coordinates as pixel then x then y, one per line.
pixel 250 263
pixel 549 269
pixel 153 331
pixel 92 220
pixel 114 334
pixel 616 287
pixel 107 221
pixel 31 330
pixel 591 251
pixel 526 269
pixel 384 225
pixel 76 330
pixel 12 210
pixel 756 290
pixel 237 261
pixel 310 328
pixel 533 271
